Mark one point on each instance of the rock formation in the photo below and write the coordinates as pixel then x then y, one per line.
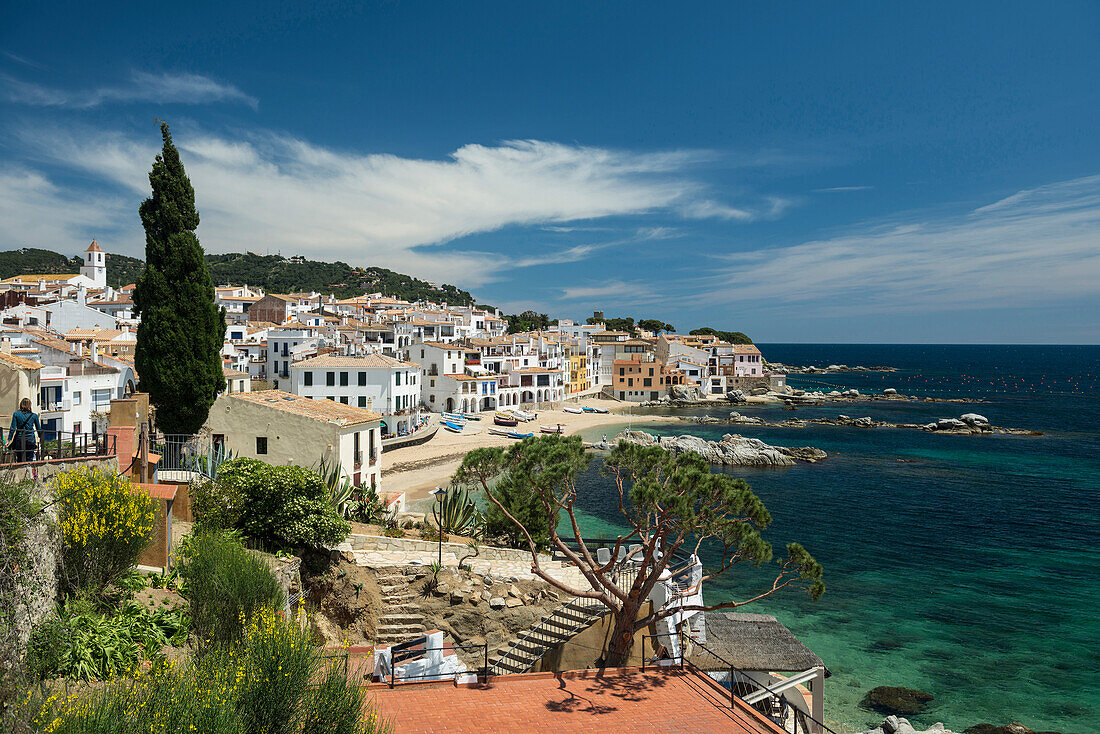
pixel 732 450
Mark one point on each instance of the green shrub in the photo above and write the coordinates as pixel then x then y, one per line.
pixel 526 506
pixel 105 525
pixel 226 584
pixel 215 505
pixel 279 505
pixel 262 683
pixel 83 643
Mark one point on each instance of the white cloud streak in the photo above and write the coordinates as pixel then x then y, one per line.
pixel 1037 246
pixel 272 193
pixel 180 88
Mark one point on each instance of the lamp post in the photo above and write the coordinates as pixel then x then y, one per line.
pixel 438 515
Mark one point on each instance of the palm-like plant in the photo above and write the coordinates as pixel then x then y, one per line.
pixel 458 513
pixel 340 488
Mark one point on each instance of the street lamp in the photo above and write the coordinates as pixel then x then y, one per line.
pixel 437 513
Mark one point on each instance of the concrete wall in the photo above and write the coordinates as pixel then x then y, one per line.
pixel 16 384
pixel 585 648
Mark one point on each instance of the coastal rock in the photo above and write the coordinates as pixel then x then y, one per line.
pixel 864 422
pixel 900 725
pixel 890 391
pixel 973 419
pixel 735 396
pixel 736 417
pixel 685 392
pixel 803 453
pixel 1014 728
pixel 732 450
pixel 834 394
pixel 896 700
pixel 497 602
pixel 757 391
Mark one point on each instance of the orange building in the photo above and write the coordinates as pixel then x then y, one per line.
pixel 642 378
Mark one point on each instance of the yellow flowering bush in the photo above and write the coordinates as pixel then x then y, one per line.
pixel 105 525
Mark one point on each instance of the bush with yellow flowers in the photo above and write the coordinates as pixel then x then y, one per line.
pixel 272 680
pixel 105 525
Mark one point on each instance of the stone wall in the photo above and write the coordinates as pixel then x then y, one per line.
pixel 36 591
pixel 382 543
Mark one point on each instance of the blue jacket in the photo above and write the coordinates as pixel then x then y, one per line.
pixel 25 425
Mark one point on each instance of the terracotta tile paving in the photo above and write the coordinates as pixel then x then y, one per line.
pixel 669 701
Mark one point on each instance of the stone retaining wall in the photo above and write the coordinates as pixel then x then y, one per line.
pixel 415 545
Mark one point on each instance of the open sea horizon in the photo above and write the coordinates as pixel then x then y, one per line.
pixel 963 566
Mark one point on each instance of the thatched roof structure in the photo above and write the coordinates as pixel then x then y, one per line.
pixel 752 642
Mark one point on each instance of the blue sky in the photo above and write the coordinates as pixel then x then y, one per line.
pixel 860 172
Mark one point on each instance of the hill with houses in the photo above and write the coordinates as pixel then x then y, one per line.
pixel 273 273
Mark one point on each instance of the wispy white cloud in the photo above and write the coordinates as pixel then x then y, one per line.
pixel 616 292
pixel 266 192
pixel 1036 246
pixel 23 60
pixel 179 88
pixel 842 189
pixel 771 207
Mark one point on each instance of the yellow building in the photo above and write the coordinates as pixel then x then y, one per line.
pixel 578 371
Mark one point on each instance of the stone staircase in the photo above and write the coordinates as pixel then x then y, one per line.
pixel 559 626
pixel 401 619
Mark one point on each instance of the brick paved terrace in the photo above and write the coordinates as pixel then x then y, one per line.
pixel 668 700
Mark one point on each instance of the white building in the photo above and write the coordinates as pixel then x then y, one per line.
pixel 282 346
pixel 372 381
pixel 95 266
pixel 280 428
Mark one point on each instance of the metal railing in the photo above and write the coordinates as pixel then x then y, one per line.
pixel 417 648
pixel 180 452
pixel 50 444
pixel 742 686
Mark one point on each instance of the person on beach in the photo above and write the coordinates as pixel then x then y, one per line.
pixel 26 432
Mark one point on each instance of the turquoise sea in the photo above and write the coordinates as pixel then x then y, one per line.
pixel 965 566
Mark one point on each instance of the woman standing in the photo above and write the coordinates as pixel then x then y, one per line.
pixel 26 432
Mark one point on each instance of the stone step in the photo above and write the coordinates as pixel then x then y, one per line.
pixel 389 620
pixel 400 629
pixel 393 588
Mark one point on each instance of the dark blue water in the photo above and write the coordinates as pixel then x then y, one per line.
pixel 965 566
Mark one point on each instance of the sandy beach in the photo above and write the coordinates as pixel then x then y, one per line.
pixel 416 470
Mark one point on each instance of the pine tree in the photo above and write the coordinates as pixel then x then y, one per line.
pixel 181 334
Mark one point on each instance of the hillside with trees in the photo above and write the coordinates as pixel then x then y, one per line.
pixel 732 337
pixel 273 273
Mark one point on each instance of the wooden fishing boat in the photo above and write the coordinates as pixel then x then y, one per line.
pixel 552 429
pixel 573 410
pixel 472 416
pixel 503 420
pixel 523 415
pixel 452 426
pixel 453 417
pixel 586 409
pixel 499 432
pixel 520 436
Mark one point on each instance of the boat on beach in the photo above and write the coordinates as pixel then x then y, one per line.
pixel 504 419
pixel 573 410
pixel 510 434
pixel 453 418
pixel 471 416
pixel 587 409
pixel 523 415
pixel 452 426
pixel 552 429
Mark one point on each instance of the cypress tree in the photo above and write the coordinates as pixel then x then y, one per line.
pixel 181 334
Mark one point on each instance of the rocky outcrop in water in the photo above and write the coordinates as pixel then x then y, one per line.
pixel 899 725
pixel 896 700
pixel 970 424
pixel 1014 728
pixel 732 450
pixel 814 370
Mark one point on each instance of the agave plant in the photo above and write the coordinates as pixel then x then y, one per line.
pixel 340 488
pixel 458 514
